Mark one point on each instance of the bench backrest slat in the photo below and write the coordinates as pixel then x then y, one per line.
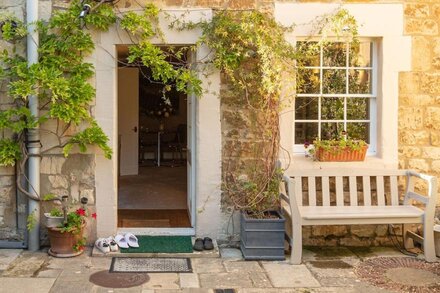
pixel 332 187
pixel 367 190
pixel 353 191
pixel 325 191
pixel 339 191
pixel 394 191
pixel 380 191
pixel 312 191
pixel 298 190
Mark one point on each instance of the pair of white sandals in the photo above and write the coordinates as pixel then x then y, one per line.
pixel 126 240
pixel 111 244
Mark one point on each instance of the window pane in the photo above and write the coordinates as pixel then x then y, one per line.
pixel 332 108
pixel 311 51
pixel 360 54
pixel 359 130
pixel 335 54
pixel 358 108
pixel 360 81
pixel 305 132
pixel 307 81
pixel 306 108
pixel 333 81
pixel 331 130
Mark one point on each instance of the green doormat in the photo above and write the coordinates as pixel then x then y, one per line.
pixel 161 244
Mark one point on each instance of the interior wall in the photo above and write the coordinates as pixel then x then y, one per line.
pixel 171 122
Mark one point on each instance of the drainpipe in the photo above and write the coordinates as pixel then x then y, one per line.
pixel 33 137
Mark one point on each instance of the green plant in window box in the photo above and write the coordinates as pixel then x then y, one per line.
pixel 338 150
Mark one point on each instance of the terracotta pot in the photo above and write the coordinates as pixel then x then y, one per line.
pixel 341 155
pixel 62 243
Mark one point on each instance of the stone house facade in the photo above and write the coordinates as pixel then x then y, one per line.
pixel 407 118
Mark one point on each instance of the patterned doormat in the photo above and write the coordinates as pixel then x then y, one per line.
pixel 402 274
pixel 150 265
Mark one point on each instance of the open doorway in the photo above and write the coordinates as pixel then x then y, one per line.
pixel 154 180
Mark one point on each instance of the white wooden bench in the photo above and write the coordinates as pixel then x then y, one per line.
pixel 328 202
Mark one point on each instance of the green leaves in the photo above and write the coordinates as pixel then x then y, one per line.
pixel 10 152
pixel 144 25
pixel 90 136
pixel 11 28
pixel 17 119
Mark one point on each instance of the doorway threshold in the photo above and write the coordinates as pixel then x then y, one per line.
pixel 215 253
pixel 159 231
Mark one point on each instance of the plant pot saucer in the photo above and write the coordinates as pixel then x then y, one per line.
pixel 64 255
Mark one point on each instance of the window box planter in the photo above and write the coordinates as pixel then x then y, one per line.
pixel 262 239
pixel 338 154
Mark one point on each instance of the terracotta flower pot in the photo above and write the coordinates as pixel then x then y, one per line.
pixel 337 154
pixel 62 244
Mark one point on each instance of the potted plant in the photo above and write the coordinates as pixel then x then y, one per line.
pixel 338 150
pixel 54 218
pixel 67 239
pixel 261 222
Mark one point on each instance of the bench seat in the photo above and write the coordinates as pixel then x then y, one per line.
pixel 361 212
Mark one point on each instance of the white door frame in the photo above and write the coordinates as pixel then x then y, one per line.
pixel 208 218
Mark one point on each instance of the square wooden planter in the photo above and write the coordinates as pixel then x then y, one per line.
pixel 337 154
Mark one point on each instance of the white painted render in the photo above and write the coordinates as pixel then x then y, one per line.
pixel 209 219
pixel 394 55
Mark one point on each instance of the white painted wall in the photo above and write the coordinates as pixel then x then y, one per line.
pixel 394 55
pixel 209 219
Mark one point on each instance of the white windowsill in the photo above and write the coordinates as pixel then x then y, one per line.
pixel 300 161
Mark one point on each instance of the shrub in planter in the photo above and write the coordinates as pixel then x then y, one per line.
pixel 342 150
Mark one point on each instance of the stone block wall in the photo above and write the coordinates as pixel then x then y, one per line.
pixel 73 176
pixel 419 89
pixel 419 117
pixel 8 220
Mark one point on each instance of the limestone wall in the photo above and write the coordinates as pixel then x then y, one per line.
pixel 419 117
pixel 419 99
pixel 8 222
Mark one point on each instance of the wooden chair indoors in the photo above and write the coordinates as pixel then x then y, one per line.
pixel 178 146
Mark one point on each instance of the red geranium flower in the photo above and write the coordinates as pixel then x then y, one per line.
pixel 94 216
pixel 81 212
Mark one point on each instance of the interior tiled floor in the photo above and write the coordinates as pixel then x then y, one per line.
pixel 157 197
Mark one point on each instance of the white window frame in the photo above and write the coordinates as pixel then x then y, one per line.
pixel 394 56
pixel 299 148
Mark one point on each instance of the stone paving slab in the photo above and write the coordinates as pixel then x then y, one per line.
pixel 34 285
pixel 226 280
pixel 284 275
pixel 231 253
pixel 214 265
pixel 189 281
pixel 7 256
pixel 162 281
pixel 242 266
pixel 26 265
pixel 186 290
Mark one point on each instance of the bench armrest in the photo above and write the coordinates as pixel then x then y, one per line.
pixel 429 200
pixel 288 193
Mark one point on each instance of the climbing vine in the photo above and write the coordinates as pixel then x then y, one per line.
pixel 248 47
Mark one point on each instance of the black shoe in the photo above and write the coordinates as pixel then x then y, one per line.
pixel 198 244
pixel 207 244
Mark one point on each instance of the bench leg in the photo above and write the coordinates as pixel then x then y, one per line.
pixel 408 242
pixel 296 255
pixel 428 242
